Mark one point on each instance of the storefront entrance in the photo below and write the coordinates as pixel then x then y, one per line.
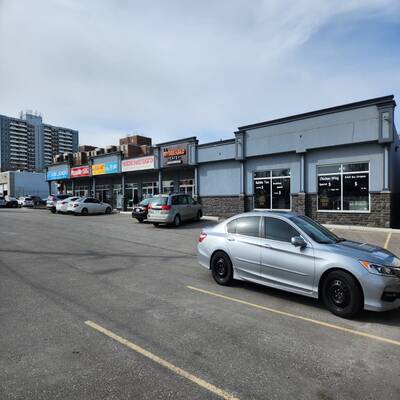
pixel 117 197
pixel 104 193
pixel 131 194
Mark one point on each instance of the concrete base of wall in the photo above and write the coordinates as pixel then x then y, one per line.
pixel 222 206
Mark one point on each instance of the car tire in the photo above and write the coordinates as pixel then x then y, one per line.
pixel 53 210
pixel 177 220
pixel 156 224
pixel 84 211
pixel 199 215
pixel 221 268
pixel 341 294
pixel 140 220
pixel 108 210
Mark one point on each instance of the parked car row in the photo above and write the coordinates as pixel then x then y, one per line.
pixel 22 201
pixel 63 203
pixel 169 209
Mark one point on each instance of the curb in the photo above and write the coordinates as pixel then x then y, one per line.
pixel 361 228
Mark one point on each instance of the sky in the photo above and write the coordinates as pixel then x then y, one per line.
pixel 171 69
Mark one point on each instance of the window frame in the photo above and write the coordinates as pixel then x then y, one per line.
pixel 271 178
pixel 341 173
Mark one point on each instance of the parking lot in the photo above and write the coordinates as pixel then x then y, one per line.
pixel 102 307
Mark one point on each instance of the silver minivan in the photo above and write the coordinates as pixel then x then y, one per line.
pixel 173 209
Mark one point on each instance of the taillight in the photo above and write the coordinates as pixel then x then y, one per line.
pixel 149 206
pixel 202 236
pixel 165 207
pixel 64 202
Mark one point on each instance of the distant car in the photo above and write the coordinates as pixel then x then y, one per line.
pixel 62 205
pixel 24 201
pixel 140 210
pixel 292 252
pixel 88 205
pixel 37 201
pixel 2 201
pixel 173 209
pixel 11 202
pixel 52 201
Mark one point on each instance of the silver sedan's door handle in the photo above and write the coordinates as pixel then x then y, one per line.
pixel 231 239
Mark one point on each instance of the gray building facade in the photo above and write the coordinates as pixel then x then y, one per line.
pixel 26 143
pixel 338 165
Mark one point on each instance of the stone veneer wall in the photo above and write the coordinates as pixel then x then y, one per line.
pixel 380 215
pixel 299 203
pixel 222 206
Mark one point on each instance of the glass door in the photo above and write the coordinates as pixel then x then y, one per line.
pixel 131 195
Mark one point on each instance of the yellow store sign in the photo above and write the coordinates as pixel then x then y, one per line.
pixel 98 169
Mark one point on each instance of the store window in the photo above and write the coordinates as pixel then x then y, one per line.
pixel 168 186
pixel 343 187
pixel 82 191
pixel 186 186
pixel 272 189
pixel 150 189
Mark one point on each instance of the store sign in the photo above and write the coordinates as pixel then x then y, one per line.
pixel 57 174
pixel 78 172
pixel 138 164
pixel 174 155
pixel 105 168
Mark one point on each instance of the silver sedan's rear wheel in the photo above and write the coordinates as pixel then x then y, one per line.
pixel 177 220
pixel 221 268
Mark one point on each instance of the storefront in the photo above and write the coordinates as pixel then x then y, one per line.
pixel 338 165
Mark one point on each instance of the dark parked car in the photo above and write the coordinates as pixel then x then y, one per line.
pixel 38 201
pixel 11 202
pixel 140 210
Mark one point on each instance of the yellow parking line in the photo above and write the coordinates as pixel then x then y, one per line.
pixel 295 316
pixel 213 389
pixel 388 240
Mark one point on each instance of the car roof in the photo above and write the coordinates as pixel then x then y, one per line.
pixel 265 213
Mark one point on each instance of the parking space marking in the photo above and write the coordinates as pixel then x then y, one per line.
pixel 299 317
pixel 198 381
pixel 388 240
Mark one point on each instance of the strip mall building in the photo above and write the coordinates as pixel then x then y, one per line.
pixel 338 165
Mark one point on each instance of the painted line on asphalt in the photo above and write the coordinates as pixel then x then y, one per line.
pixel 388 240
pixel 179 371
pixel 295 316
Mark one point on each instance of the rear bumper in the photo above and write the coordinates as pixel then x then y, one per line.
pixel 139 215
pixel 160 218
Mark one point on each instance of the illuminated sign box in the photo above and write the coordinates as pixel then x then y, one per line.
pixel 58 174
pixel 105 168
pixel 174 155
pixel 78 172
pixel 138 164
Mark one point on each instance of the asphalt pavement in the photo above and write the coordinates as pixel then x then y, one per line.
pixel 102 307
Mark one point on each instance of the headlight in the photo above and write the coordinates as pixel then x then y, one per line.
pixel 378 269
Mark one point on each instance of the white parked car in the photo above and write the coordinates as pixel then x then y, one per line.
pixel 25 201
pixel 88 205
pixel 62 205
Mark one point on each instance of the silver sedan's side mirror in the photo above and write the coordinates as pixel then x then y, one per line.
pixel 298 241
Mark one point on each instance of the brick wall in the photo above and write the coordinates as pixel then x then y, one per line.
pixel 222 206
pixel 380 215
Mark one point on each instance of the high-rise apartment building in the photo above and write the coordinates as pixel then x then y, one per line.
pixel 26 143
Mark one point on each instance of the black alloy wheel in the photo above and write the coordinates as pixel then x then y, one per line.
pixel 199 215
pixel 108 210
pixel 342 294
pixel 84 211
pixel 221 269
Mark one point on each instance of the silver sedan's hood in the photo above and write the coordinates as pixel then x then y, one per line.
pixel 366 252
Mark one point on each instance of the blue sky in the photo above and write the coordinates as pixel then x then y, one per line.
pixel 179 68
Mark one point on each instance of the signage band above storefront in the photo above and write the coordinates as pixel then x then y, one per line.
pixel 137 164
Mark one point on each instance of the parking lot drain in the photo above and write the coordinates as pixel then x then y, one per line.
pixel 198 381
pixel 295 316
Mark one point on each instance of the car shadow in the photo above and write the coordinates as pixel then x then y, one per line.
pixel 390 318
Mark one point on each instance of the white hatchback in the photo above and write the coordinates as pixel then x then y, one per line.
pixel 88 205
pixel 62 205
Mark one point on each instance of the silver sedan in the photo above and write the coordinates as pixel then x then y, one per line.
pixel 292 252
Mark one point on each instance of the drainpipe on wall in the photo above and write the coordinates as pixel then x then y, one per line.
pixel 124 205
pixel 160 181
pixel 196 187
pixel 386 187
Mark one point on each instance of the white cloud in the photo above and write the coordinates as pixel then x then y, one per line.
pixel 171 69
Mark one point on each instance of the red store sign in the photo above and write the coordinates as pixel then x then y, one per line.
pixel 78 172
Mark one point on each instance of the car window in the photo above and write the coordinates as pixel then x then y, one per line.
pixel 95 201
pixel 190 200
pixel 246 226
pixel 183 200
pixel 231 227
pixel 175 200
pixel 159 201
pixel 88 201
pixel 277 229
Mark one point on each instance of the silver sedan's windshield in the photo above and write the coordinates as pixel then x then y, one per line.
pixel 315 230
